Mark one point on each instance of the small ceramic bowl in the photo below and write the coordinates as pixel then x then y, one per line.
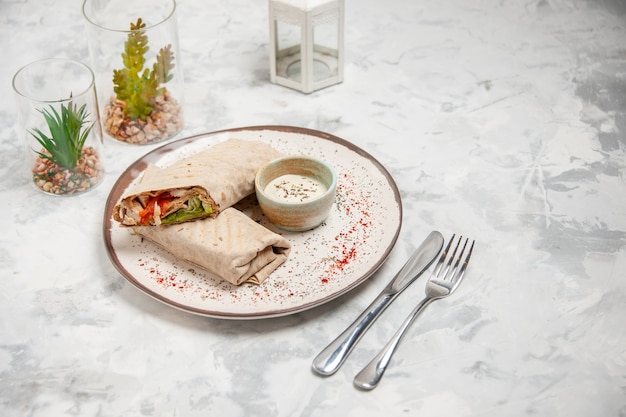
pixel 296 193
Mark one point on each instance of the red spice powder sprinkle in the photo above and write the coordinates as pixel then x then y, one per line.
pixel 350 241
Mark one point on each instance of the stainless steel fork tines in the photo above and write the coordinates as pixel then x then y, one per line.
pixel 445 279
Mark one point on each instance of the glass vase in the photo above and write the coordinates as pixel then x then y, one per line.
pixel 135 55
pixel 60 126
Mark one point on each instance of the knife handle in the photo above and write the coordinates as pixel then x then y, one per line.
pixel 328 361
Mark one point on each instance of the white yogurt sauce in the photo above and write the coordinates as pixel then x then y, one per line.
pixel 294 188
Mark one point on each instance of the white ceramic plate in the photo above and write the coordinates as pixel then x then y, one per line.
pixel 324 263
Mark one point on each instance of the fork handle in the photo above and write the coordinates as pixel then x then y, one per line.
pixel 328 361
pixel 372 373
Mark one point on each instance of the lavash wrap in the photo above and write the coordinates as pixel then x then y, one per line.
pixel 221 176
pixel 231 245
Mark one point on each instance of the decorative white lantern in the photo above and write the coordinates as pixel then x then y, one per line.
pixel 306 43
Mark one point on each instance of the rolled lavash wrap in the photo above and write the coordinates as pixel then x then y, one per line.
pixel 231 245
pixel 195 187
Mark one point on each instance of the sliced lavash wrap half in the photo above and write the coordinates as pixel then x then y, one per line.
pixel 231 245
pixel 194 187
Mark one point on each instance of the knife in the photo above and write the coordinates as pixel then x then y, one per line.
pixel 328 361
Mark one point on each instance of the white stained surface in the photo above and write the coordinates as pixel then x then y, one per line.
pixel 504 121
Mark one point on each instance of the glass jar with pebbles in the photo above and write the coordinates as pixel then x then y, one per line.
pixel 60 126
pixel 134 53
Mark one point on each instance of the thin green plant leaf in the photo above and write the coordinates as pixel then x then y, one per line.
pixel 68 134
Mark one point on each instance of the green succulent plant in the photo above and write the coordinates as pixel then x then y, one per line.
pixel 135 85
pixel 68 133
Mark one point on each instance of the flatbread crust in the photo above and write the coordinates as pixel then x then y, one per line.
pixel 231 245
pixel 220 176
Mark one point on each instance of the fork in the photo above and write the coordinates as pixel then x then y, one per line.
pixel 443 281
pixel 330 359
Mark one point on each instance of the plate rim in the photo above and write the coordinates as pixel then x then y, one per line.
pixel 127 176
